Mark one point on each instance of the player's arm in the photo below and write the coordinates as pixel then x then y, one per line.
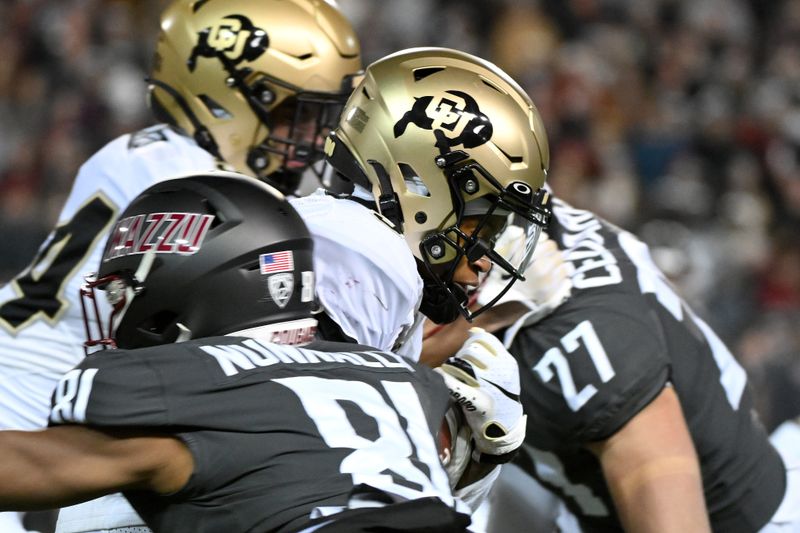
pixel 69 464
pixel 440 342
pixel 652 471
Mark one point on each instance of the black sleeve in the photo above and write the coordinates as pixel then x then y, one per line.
pixel 589 368
pixel 111 388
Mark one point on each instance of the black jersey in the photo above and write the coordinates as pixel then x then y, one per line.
pixel 603 355
pixel 279 434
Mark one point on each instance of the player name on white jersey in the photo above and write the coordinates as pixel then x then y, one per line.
pixel 252 354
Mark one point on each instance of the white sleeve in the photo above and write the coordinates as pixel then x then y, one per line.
pixel 125 167
pixel 107 513
pixel 368 305
pixel 366 276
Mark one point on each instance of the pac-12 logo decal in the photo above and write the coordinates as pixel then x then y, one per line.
pixel 233 36
pixel 455 114
pixel 281 287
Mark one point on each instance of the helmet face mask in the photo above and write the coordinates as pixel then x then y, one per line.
pixel 199 256
pixel 440 137
pixel 515 210
pixel 298 127
pixel 222 67
pixel 100 332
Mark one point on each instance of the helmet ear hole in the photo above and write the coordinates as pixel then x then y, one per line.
pixel 414 182
pixel 215 108
pixel 159 322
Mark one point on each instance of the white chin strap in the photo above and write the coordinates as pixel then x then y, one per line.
pixel 362 193
pixel 184 334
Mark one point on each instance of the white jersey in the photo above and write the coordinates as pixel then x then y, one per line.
pixel 41 324
pixel 366 276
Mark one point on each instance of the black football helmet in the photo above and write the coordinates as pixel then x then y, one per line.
pixel 199 256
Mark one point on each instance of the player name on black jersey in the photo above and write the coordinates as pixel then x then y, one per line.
pixel 252 354
pixel 580 233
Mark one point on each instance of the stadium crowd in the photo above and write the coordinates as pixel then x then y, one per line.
pixel 677 119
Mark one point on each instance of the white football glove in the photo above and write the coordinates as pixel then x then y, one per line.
pixel 547 283
pixel 483 379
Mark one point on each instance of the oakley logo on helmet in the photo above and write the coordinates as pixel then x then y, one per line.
pixel 522 191
pixel 164 233
pixel 281 287
pixel 456 114
pixel 234 37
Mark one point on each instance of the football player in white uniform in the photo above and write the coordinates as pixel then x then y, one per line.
pixel 473 178
pixel 472 192
pixel 450 151
pixel 232 86
pixel 252 84
pixel 325 436
pixel 215 64
pixel 328 436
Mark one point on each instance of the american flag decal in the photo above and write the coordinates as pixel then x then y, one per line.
pixel 276 262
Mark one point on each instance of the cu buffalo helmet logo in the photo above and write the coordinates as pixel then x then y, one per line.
pixel 234 37
pixel 456 114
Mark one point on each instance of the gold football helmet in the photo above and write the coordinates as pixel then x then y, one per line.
pixel 438 136
pixel 257 83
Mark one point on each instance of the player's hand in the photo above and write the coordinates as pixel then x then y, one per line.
pixel 483 379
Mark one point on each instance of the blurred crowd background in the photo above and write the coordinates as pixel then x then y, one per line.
pixel 676 119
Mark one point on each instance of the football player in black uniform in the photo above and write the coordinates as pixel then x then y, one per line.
pixel 209 416
pixel 639 418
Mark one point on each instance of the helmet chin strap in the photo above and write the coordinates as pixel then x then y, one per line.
pixel 388 202
pixel 285 181
pixel 441 303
